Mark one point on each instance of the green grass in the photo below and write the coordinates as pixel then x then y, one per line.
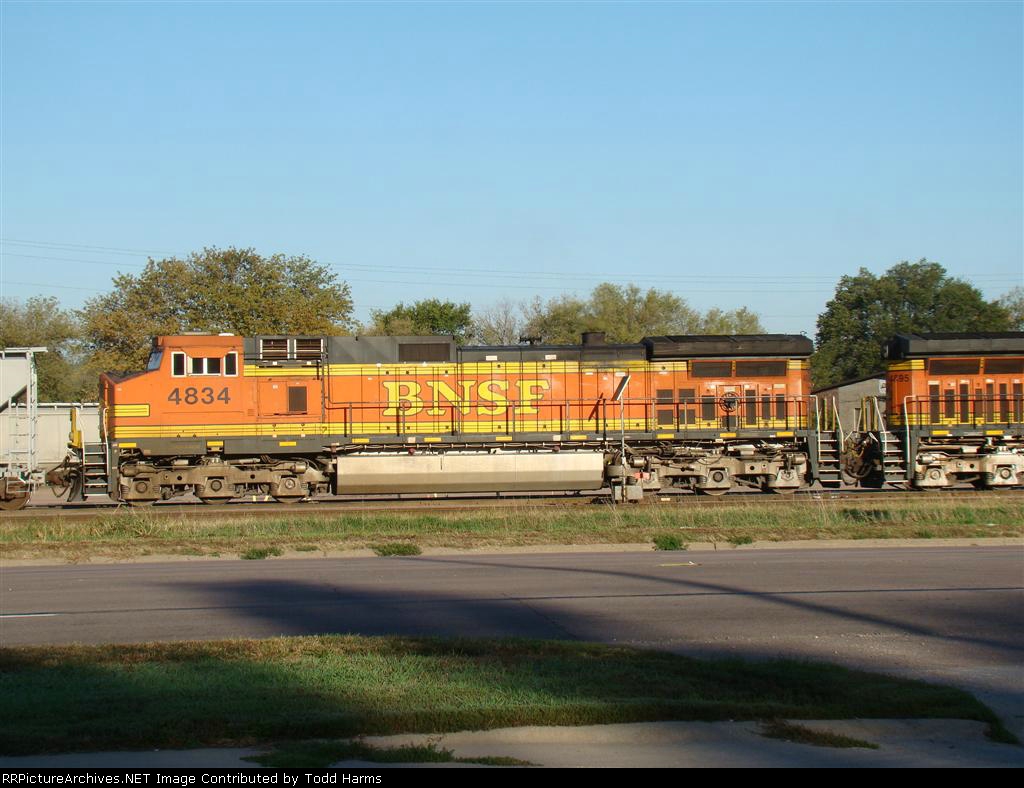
pixel 245 692
pixel 124 534
pixel 259 553
pixel 801 734
pixel 396 548
pixel 669 542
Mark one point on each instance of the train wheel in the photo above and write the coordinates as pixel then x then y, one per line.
pixel 712 490
pixel 289 500
pixel 15 503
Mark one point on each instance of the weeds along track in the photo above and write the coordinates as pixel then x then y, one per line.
pixel 394 505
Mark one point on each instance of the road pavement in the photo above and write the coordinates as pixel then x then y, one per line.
pixel 948 614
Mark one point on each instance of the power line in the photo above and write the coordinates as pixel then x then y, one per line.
pixel 491 273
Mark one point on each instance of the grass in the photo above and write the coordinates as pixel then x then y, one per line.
pixel 321 754
pixel 396 548
pixel 669 542
pixel 801 734
pixel 126 534
pixel 259 553
pixel 245 692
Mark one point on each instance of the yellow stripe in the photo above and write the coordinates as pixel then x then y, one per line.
pixel 127 445
pixel 940 432
pixel 994 432
pixel 302 429
pixel 360 440
pixel 727 435
pixel 577 437
pixel 455 369
pixel 914 363
pixel 502 437
pixel 665 435
pixel 286 443
pixel 785 434
pixel 431 440
pixel 214 444
pixel 130 410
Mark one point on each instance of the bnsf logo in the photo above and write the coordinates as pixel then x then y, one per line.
pixel 491 397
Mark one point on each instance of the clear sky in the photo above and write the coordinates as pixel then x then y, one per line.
pixel 735 153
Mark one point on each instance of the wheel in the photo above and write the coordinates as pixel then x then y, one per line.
pixel 15 503
pixel 783 490
pixel 289 500
pixel 711 491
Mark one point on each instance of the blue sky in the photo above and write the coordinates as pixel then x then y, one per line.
pixel 735 153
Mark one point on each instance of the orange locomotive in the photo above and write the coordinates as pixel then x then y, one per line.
pixel 289 417
pixel 954 414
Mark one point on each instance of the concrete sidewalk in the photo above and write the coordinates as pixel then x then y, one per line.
pixel 902 743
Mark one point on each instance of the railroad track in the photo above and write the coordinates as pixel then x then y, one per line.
pixel 332 506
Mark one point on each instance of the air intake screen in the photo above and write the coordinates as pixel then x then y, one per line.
pixel 424 351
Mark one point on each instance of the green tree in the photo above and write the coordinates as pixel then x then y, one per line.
pixel 40 322
pixel 234 290
pixel 558 320
pixel 424 318
pixel 735 321
pixel 1013 303
pixel 625 313
pixel 868 310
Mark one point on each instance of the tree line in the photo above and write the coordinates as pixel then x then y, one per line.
pixel 240 291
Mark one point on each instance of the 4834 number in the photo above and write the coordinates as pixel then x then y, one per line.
pixel 192 395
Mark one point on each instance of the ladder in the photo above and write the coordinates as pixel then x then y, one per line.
pixel 830 441
pixel 95 471
pixel 894 468
pixel 19 459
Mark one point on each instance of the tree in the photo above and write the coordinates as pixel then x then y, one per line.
pixel 736 321
pixel 424 318
pixel 1013 303
pixel 558 320
pixel 502 324
pixel 867 311
pixel 215 290
pixel 40 322
pixel 625 313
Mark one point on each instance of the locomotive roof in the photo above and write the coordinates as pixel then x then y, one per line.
pixel 696 346
pixel 980 343
pixel 582 352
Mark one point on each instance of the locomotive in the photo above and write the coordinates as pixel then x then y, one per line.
pixel 954 414
pixel 288 417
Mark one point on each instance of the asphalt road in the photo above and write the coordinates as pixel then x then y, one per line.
pixel 940 613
